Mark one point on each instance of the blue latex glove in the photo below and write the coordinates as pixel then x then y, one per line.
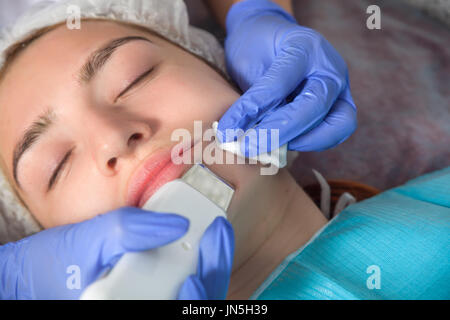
pixel 36 267
pixel 293 80
pixel 214 265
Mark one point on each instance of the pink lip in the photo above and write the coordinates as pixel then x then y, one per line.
pixel 155 171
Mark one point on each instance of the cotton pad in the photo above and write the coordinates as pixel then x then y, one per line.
pixel 277 157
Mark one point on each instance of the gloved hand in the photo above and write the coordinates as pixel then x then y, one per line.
pixel 43 266
pixel 293 79
pixel 214 265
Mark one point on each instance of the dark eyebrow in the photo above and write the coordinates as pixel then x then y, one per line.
pixel 100 56
pixel 31 136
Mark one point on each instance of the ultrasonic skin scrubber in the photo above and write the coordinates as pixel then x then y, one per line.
pixel 200 196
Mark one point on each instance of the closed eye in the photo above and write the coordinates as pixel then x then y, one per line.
pixel 58 169
pixel 134 83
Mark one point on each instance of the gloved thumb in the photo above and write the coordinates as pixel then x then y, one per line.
pixel 214 264
pixel 192 289
pixel 216 258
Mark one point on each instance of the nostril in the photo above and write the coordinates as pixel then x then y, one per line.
pixel 112 162
pixel 135 136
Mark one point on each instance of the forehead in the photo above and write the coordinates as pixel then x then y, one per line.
pixel 62 46
pixel 48 66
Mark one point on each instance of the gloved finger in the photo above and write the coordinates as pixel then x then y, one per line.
pixel 305 112
pixel 346 95
pixel 127 229
pixel 192 289
pixel 216 258
pixel 144 230
pixel 339 124
pixel 283 76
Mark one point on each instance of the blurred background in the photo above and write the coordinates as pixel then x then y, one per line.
pixel 400 81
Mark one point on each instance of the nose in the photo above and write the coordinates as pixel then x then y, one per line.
pixel 114 143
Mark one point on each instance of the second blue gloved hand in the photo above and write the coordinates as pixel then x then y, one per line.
pixel 293 79
pixel 58 263
pixel 214 264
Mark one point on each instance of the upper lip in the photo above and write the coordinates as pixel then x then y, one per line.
pixel 149 169
pixel 146 173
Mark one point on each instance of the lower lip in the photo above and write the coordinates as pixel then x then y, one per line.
pixel 170 172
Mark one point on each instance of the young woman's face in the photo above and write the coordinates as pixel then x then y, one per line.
pixel 104 124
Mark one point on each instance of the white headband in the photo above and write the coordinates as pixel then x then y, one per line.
pixel 169 18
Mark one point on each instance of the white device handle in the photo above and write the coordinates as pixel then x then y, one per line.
pixel 159 273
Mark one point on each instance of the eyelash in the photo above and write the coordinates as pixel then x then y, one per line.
pixel 135 82
pixel 55 176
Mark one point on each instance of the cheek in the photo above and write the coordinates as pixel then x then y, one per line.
pixel 84 197
pixel 186 95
